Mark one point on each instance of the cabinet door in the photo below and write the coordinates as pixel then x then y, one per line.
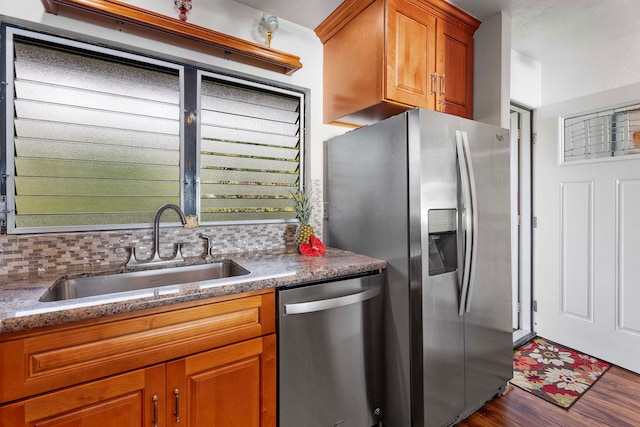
pixel 123 400
pixel 226 387
pixel 455 70
pixel 411 54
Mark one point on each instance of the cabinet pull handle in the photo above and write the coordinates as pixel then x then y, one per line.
pixel 442 85
pixel 177 414
pixel 434 83
pixel 155 411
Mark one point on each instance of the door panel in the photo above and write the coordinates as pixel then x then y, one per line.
pixel 330 347
pixel 586 244
pixel 226 387
pixel 455 63
pixel 488 330
pixel 122 411
pixel 628 248
pixel 123 400
pixel 442 327
pixel 227 395
pixel 576 285
pixel 410 55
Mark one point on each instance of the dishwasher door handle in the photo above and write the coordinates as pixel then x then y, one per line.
pixel 327 304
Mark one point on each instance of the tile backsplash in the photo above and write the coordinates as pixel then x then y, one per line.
pixel 40 253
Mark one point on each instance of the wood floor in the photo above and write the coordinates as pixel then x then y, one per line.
pixel 612 401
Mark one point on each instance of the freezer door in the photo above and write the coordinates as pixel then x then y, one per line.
pixel 488 332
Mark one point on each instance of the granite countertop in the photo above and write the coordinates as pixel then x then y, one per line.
pixel 20 309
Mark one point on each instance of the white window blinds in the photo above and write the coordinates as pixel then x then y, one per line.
pixel 97 138
pixel 250 150
pixel 605 134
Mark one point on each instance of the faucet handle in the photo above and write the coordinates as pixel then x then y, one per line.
pixel 209 245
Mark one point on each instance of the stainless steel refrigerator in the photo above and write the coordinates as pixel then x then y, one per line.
pixel 429 192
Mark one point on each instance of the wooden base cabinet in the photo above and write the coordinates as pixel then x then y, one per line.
pixel 382 57
pixel 225 386
pixel 125 400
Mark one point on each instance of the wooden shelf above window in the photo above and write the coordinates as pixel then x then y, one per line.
pixel 255 53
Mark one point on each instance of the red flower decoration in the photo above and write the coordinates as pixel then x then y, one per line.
pixel 314 247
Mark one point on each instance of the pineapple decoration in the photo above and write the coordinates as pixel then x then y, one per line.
pixel 302 205
pixel 306 241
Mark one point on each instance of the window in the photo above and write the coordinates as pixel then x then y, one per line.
pixel 604 134
pixel 100 140
pixel 250 150
pixel 96 138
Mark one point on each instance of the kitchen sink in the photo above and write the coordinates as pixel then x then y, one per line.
pixel 104 284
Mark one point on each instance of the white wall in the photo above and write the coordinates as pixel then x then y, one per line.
pixel 492 68
pixel 224 16
pixel 574 74
pixel 596 69
pixel 526 80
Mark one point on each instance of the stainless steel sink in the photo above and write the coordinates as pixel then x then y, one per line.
pixel 86 286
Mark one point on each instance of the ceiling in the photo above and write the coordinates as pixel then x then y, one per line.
pixel 540 28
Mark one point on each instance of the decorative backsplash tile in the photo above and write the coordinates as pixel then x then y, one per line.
pixel 317 210
pixel 33 254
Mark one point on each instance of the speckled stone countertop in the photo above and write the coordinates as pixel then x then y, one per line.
pixel 20 309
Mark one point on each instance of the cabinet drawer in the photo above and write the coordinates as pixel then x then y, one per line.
pixel 44 362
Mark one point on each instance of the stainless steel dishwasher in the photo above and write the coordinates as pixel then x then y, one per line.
pixel 330 354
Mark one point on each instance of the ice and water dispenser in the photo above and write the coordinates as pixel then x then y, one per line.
pixel 443 246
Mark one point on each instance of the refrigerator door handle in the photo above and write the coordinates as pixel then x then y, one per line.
pixel 474 221
pixel 470 219
pixel 468 223
pixel 327 304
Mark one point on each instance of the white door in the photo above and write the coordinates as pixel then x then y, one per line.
pixel 514 151
pixel 586 245
pixel 521 222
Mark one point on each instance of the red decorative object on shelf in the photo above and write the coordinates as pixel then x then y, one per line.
pixel 183 6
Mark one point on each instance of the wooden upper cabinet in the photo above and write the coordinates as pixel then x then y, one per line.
pixel 411 55
pixel 382 57
pixel 352 71
pixel 455 71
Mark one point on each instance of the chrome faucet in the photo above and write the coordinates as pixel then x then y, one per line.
pixel 155 237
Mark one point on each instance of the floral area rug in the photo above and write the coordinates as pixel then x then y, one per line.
pixel 555 373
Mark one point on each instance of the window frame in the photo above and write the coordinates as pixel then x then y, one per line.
pixel 189 133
